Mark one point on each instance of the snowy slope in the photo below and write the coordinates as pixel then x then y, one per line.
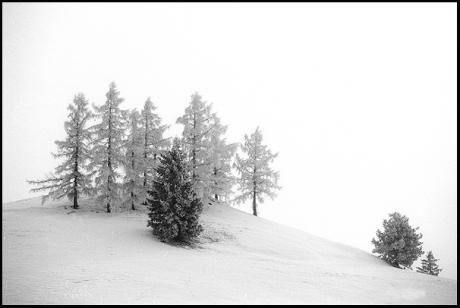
pixel 52 254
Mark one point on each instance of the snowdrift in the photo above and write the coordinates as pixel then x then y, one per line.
pixel 55 255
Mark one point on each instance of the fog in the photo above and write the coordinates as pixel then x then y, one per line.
pixel 359 100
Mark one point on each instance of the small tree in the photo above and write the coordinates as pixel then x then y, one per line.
pixel 107 153
pixel 132 185
pixel 198 125
pixel 429 265
pixel 399 243
pixel 256 177
pixel 70 178
pixel 154 143
pixel 174 208
pixel 220 154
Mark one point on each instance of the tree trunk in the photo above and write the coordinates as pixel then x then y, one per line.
pixel 75 191
pixel 75 202
pixel 108 193
pixel 75 179
pixel 132 182
pixel 145 155
pixel 109 162
pixel 132 202
pixel 216 197
pixel 254 204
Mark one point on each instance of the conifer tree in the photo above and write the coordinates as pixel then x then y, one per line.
pixel 174 208
pixel 197 121
pixel 220 155
pixel 429 265
pixel 399 243
pixel 107 149
pixel 154 143
pixel 133 185
pixel 208 153
pixel 70 179
pixel 256 178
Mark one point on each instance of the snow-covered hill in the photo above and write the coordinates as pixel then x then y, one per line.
pixel 54 255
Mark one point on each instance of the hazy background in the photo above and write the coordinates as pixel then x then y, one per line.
pixel 358 99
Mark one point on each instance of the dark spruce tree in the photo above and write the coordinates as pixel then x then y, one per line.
pixel 174 207
pixel 429 265
pixel 399 244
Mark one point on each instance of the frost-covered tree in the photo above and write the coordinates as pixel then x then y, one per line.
pixel 399 243
pixel 429 265
pixel 154 143
pixel 197 121
pixel 256 178
pixel 133 189
pixel 107 149
pixel 70 178
pixel 174 208
pixel 220 155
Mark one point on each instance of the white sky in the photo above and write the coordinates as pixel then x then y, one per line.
pixel 358 99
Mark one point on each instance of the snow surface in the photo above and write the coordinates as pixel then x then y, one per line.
pixel 55 255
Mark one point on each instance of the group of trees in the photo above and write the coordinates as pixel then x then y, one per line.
pixel 122 157
pixel 125 159
pixel 399 245
pixel 94 155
